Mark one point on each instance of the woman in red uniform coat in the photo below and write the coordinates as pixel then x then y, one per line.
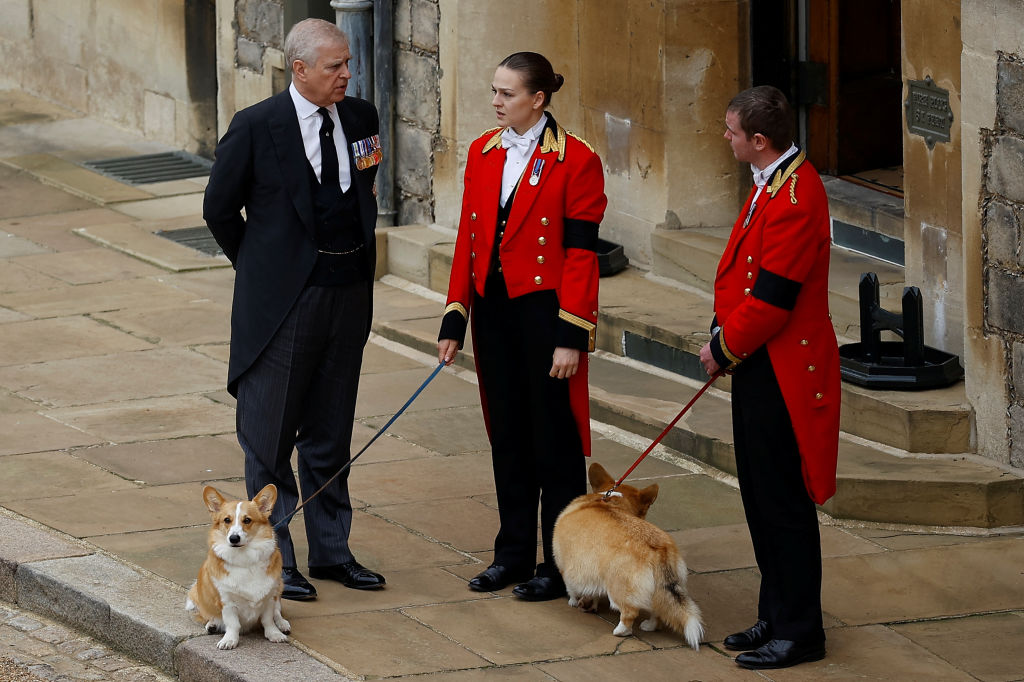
pixel 526 267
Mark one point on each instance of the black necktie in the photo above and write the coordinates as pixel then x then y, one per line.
pixel 328 152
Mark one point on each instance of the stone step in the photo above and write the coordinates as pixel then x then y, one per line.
pixel 691 257
pixel 875 483
pixel 654 321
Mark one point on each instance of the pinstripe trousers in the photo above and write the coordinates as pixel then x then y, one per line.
pixel 301 393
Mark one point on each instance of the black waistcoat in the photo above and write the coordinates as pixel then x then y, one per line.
pixel 339 239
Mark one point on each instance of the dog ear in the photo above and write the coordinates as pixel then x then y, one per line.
pixel 266 498
pixel 646 497
pixel 599 477
pixel 212 498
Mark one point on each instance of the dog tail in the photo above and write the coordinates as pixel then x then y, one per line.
pixel 673 606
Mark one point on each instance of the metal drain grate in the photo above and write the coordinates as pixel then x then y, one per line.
pixel 198 238
pixel 139 170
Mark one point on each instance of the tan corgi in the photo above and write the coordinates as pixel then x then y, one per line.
pixel 239 583
pixel 604 546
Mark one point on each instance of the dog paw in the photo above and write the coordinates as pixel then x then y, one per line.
pixel 622 631
pixel 275 636
pixel 588 605
pixel 228 642
pixel 283 625
pixel 649 625
pixel 573 602
pixel 213 627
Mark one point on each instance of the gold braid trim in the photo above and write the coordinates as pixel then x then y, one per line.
pixel 458 307
pixel 725 349
pixel 585 143
pixel 583 324
pixel 495 140
pixel 780 178
pixel 792 189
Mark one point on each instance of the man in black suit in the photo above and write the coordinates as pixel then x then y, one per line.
pixel 302 165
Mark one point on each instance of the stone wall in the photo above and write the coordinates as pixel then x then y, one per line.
pixel 417 108
pixel 140 64
pixel 992 64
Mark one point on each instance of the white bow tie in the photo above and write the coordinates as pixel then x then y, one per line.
pixel 510 138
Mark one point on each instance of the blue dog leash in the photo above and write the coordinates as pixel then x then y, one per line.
pixel 377 435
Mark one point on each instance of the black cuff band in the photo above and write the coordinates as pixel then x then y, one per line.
pixel 568 335
pixel 718 354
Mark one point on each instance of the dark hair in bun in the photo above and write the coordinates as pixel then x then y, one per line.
pixel 536 72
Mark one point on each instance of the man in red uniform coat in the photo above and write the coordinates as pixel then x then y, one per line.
pixel 773 332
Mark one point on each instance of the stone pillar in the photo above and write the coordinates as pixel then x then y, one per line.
pixel 355 18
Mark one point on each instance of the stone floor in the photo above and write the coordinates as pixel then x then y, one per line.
pixel 114 415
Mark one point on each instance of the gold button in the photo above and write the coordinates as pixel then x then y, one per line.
pixel 744 354
pixel 499 268
pixel 473 275
pixel 540 259
pixel 594 313
pixel 746 292
pixel 543 221
pixel 472 254
pixel 500 235
pixel 472 216
pixel 810 368
pixel 472 235
pixel 750 275
pixel 503 223
pixel 818 396
pixel 538 280
pixel 803 342
pixel 542 241
pixel 750 259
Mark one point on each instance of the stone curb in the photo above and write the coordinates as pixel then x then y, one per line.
pixel 136 613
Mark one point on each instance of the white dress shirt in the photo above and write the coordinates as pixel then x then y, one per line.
pixel 309 126
pixel 518 150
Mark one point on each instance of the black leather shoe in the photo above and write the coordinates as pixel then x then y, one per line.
pixel 540 588
pixel 296 587
pixel 782 653
pixel 751 638
pixel 350 574
pixel 498 577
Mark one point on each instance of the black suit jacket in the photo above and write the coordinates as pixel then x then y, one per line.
pixel 261 166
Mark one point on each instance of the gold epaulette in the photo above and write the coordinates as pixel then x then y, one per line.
pixel 495 139
pixel 585 143
pixel 780 178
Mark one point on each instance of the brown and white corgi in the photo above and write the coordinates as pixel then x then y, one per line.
pixel 239 583
pixel 604 547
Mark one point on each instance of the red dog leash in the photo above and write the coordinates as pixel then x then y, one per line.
pixel 668 428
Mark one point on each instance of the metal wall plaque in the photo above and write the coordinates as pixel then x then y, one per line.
pixel 928 112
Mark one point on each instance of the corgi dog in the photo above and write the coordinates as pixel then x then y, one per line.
pixel 604 547
pixel 239 583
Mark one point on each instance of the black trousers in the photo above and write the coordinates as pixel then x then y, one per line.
pixel 535 445
pixel 780 514
pixel 301 393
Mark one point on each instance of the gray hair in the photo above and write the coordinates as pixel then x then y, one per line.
pixel 305 39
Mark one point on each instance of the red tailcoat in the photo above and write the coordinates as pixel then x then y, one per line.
pixel 549 240
pixel 771 290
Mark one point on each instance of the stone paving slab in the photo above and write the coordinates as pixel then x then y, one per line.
pixel 172 553
pixel 74 179
pixel 463 523
pixel 199 660
pixel 55 230
pixel 131 375
pixel 177 460
pixel 387 643
pixel 54 474
pixel 143 420
pixel 449 431
pixel 216 285
pixel 132 240
pixel 424 479
pixel 386 393
pixel 25 542
pixel 62 338
pixel 92 298
pixel 12 246
pixel 25 432
pixel 88 266
pixel 160 208
pixel 925 583
pixel 15 277
pixel 384 546
pixel 988 646
pixel 199 322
